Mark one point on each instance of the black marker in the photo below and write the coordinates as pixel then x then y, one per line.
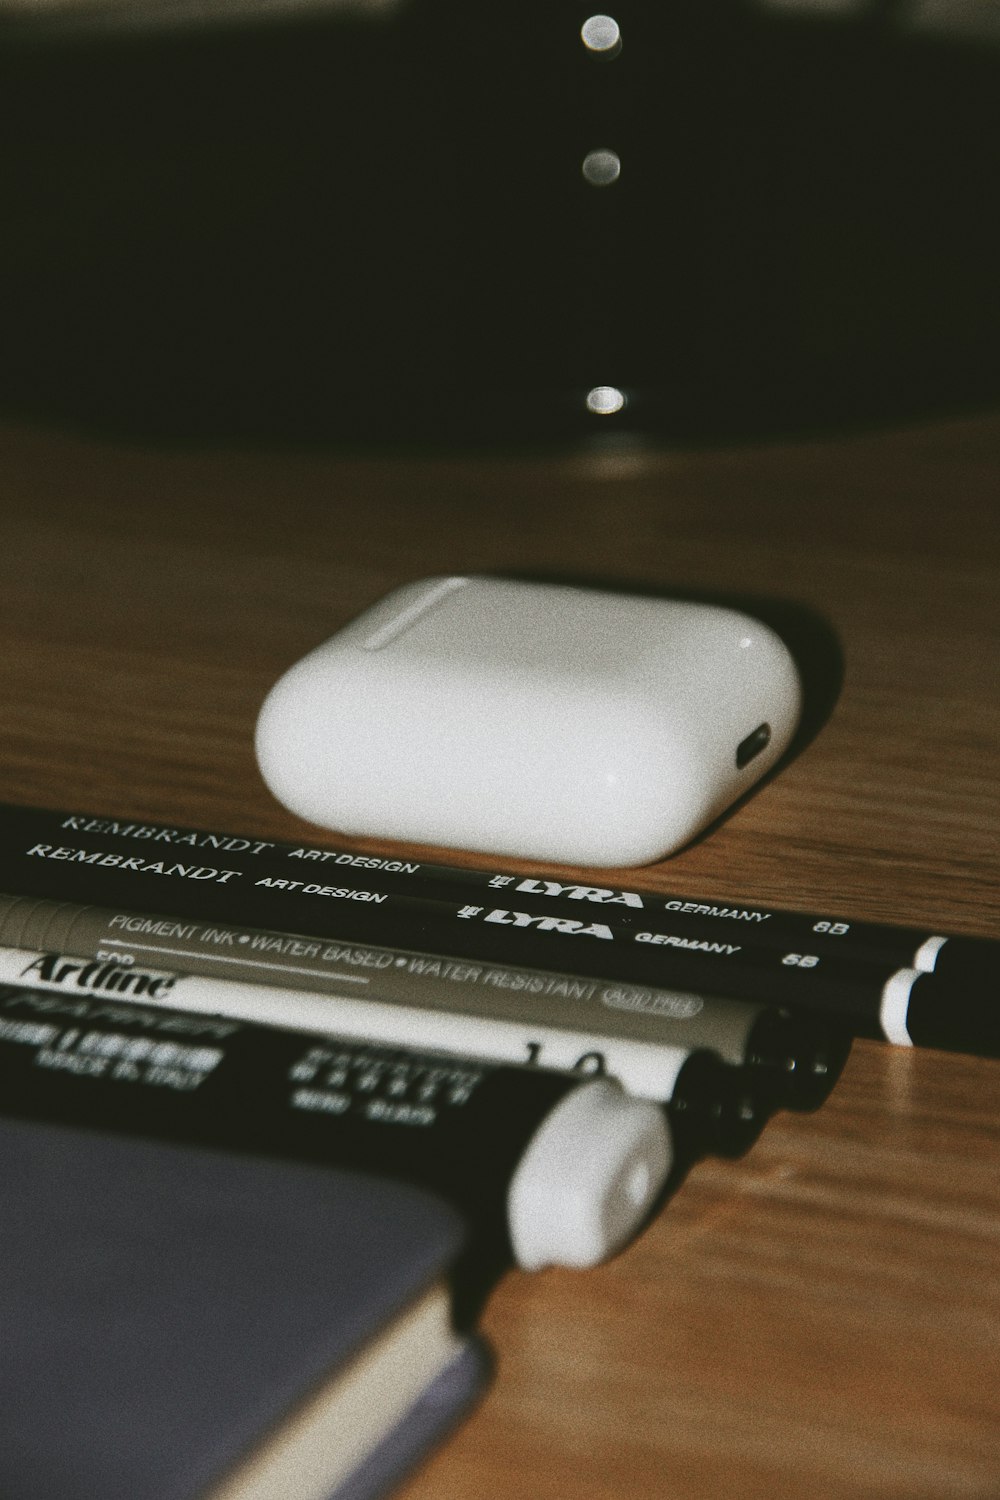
pixel 717 1109
pixel 565 1170
pixel 949 957
pixel 796 1059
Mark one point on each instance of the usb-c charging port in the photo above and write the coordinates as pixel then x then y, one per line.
pixel 752 745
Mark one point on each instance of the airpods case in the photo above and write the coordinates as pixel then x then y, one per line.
pixel 531 720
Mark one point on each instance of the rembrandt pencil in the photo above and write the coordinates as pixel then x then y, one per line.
pixel 565 1170
pixel 795 1059
pixel 732 920
pixel 873 999
pixel 110 863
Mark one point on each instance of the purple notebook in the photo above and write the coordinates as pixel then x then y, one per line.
pixel 180 1324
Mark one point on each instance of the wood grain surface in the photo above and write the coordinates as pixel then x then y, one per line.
pixel 821 1318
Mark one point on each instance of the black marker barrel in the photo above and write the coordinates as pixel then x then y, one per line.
pixel 721 1108
pixel 796 1059
pixel 714 1110
pixel 566 1170
pixel 800 1055
pixel 356 874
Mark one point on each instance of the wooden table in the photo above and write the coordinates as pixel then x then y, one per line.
pixel 822 1318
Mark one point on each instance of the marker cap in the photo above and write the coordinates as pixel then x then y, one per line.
pixel 716 1109
pixel 798 1058
pixel 590 1175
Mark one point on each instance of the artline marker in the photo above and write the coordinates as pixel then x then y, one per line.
pixel 567 1170
pixel 716 1109
pixel 952 957
pixel 796 1059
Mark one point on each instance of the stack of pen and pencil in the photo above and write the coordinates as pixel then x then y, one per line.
pixel 545 1053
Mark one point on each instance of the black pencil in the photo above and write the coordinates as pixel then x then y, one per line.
pixel 732 920
pixel 98 865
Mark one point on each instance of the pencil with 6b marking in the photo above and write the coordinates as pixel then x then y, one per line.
pixel 65 837
pixel 903 1004
pixel 502 933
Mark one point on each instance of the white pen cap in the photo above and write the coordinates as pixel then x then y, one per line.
pixel 589 1177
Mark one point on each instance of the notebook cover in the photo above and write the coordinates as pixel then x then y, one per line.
pixel 162 1307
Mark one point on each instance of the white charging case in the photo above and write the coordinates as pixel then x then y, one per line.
pixel 531 720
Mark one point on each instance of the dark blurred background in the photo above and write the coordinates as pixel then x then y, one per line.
pixel 358 224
